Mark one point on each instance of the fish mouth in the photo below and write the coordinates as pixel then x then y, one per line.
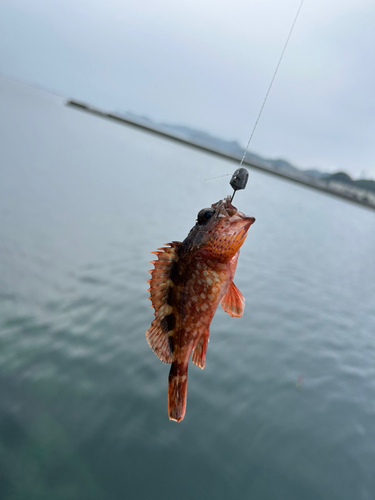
pixel 239 226
pixel 238 222
pixel 238 218
pixel 231 237
pixel 241 221
pixel 237 229
pixel 227 231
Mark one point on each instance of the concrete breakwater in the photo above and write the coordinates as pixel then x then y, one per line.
pixel 348 192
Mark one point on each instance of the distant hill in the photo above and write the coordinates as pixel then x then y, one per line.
pixel 366 184
pixel 230 147
pixel 317 174
pixel 346 179
pixel 340 177
pixel 234 148
pixel 206 139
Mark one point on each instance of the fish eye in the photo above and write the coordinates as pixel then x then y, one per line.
pixel 204 215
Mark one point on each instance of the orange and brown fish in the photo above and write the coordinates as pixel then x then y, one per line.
pixel 187 284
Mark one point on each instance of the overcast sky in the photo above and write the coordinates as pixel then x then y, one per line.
pixel 208 64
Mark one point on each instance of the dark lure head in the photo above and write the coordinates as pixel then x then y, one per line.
pixel 219 231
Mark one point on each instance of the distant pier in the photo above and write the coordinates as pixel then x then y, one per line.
pixel 354 195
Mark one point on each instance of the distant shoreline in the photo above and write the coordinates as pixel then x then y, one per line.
pixel 317 184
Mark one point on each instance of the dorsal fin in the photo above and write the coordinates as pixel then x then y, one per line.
pixel 233 302
pixel 160 284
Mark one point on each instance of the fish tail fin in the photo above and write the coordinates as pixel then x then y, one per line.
pixel 177 388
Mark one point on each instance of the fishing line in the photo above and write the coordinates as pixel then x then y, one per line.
pixel 265 98
pixel 218 177
pixel 272 80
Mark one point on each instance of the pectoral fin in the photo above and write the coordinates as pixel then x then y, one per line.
pixel 233 302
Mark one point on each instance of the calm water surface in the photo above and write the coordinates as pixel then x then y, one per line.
pixel 285 408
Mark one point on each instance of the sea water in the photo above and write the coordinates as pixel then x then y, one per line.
pixel 285 408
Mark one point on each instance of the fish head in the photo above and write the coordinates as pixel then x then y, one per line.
pixel 219 231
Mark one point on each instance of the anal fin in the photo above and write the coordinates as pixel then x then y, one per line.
pixel 199 353
pixel 233 302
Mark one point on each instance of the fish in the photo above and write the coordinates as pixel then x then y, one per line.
pixel 189 280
